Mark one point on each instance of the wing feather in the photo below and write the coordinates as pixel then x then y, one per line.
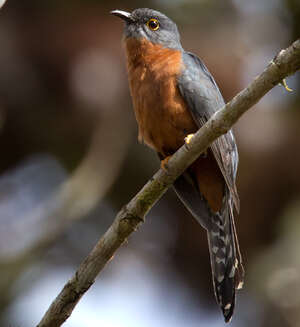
pixel 203 97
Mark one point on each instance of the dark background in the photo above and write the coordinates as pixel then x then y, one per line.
pixel 70 160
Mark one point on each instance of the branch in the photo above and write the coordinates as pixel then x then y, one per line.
pixel 287 62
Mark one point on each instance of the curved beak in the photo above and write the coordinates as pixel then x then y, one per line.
pixel 126 16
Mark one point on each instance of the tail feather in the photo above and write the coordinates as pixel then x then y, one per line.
pixel 226 264
pixel 225 257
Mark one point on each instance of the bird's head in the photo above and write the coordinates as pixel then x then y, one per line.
pixel 152 25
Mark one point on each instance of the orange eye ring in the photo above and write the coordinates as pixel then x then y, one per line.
pixel 153 24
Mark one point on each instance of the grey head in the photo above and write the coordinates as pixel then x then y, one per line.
pixel 151 25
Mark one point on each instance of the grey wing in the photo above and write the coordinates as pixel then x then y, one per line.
pixel 203 97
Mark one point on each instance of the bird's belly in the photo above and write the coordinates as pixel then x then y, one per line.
pixel 165 131
pixel 162 115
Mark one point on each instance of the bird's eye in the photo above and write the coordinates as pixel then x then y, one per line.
pixel 153 24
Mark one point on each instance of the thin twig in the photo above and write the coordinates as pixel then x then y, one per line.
pixel 287 62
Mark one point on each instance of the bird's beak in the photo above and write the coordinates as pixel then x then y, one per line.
pixel 126 16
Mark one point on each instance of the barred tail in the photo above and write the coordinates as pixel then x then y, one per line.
pixel 226 262
pixel 226 265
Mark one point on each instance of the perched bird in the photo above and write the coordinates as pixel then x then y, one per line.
pixel 173 95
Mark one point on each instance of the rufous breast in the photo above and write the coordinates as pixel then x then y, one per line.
pixel 162 115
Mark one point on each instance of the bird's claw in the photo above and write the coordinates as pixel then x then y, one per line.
pixel 284 84
pixel 188 138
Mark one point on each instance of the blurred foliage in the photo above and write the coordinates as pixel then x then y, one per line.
pixel 70 160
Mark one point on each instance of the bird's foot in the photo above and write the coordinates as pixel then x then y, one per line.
pixel 284 84
pixel 164 162
pixel 188 138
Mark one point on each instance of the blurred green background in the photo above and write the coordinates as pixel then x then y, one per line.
pixel 70 160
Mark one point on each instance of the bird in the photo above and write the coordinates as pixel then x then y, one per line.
pixel 174 95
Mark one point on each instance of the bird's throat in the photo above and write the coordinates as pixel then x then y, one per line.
pixel 141 52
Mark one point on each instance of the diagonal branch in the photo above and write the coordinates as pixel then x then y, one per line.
pixel 287 62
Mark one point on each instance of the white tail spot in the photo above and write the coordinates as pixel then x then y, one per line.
pixel 227 306
pixel 220 278
pixel 215 249
pixel 240 286
pixel 219 260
